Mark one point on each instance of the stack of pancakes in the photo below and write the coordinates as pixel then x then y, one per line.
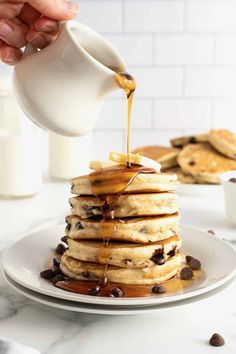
pixel 199 158
pixel 137 244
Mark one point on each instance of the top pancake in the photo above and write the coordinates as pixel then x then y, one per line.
pixel 204 162
pixel 166 156
pixel 224 141
pixel 141 183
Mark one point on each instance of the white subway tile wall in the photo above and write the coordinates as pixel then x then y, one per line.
pixel 183 55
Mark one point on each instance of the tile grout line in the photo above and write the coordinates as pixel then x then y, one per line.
pixel 185 19
pixel 153 120
pixel 153 49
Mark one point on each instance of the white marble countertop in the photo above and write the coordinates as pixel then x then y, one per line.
pixel 182 330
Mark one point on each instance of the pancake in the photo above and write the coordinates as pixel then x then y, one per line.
pixel 183 178
pixel 191 139
pixel 143 230
pixel 166 156
pixel 204 162
pixel 125 255
pixel 224 141
pixel 76 269
pixel 125 205
pixel 142 183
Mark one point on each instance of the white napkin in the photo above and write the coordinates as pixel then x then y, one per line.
pixel 11 347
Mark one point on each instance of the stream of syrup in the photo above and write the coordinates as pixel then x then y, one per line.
pixel 107 185
pixel 127 82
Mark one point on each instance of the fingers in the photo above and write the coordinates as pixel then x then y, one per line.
pixel 10 9
pixel 10 55
pixel 13 33
pixel 29 15
pixel 45 31
pixel 56 9
pixel 45 24
pixel 40 39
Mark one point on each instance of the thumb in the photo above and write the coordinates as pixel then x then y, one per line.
pixel 60 10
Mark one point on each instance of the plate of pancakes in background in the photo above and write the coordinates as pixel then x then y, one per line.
pixel 198 160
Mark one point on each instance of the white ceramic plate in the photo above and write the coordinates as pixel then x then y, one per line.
pixel 200 190
pixel 26 258
pixel 105 310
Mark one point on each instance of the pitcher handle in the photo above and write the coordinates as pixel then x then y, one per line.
pixel 29 49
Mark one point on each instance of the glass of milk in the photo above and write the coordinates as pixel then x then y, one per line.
pixel 69 157
pixel 20 148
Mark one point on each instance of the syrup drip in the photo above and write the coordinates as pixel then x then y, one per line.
pixel 113 180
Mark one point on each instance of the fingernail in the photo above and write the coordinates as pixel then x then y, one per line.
pixel 38 41
pixel 72 7
pixel 5 29
pixel 47 28
pixel 10 57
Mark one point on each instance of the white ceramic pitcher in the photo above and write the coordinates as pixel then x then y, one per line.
pixel 63 87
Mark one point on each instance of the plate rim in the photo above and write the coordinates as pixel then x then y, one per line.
pixel 117 311
pixel 61 294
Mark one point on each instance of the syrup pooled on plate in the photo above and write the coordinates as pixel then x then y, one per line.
pixel 172 286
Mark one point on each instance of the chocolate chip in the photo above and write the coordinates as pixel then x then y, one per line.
pixel 186 273
pixel 194 264
pixel 60 248
pixel 172 252
pixel 57 278
pixel 216 340
pixel 158 289
pixel 79 226
pixel 56 272
pixel 47 274
pixel 56 262
pixel 158 258
pixel 94 290
pixel 65 239
pixel 192 140
pixel 233 180
pixel 68 226
pixel 192 163
pixel 86 274
pixel 211 232
pixel 117 292
pixel 92 211
pixel 188 259
pixel 67 279
pixel 71 205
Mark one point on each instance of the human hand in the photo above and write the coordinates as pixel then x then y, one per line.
pixel 32 21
